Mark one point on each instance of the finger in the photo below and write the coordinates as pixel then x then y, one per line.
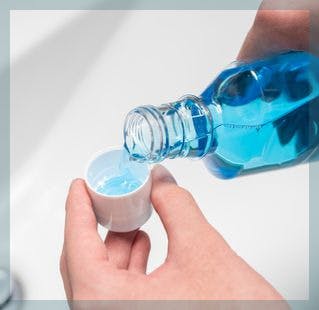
pixel 276 30
pixel 83 245
pixel 139 254
pixel 119 247
pixel 65 276
pixel 176 207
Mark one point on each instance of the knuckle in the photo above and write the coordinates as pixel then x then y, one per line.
pixel 284 20
pixel 186 194
pixel 267 18
pixel 170 193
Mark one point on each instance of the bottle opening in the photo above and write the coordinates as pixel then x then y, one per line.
pixel 179 129
pixel 143 134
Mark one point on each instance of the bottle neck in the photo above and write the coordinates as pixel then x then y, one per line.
pixel 179 129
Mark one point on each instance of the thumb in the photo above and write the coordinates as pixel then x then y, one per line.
pixel 82 242
pixel 176 207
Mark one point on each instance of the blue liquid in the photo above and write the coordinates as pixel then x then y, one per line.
pixel 119 185
pixel 122 182
pixel 253 117
pixel 270 114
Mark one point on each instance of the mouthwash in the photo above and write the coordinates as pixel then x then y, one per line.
pixel 254 116
pixel 122 181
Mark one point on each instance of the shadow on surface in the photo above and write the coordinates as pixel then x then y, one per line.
pixel 44 79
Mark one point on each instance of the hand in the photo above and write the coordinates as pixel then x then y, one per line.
pixel 282 25
pixel 199 263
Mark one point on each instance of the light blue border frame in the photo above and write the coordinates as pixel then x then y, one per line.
pixel 5 7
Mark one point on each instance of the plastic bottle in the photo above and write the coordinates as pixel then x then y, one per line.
pixel 254 116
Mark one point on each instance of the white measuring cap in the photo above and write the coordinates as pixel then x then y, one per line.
pixel 123 212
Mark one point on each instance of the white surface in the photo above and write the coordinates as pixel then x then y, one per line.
pixel 74 76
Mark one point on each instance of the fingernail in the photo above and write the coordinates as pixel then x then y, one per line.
pixel 161 174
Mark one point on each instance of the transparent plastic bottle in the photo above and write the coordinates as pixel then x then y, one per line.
pixel 254 116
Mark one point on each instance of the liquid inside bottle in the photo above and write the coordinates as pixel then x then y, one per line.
pixel 253 117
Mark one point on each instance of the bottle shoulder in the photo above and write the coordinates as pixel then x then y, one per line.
pixel 256 92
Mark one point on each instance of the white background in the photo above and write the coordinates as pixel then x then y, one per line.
pixel 74 76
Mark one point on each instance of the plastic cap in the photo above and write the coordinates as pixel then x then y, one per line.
pixel 119 212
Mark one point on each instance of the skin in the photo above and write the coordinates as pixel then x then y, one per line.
pixel 200 265
pixel 114 269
